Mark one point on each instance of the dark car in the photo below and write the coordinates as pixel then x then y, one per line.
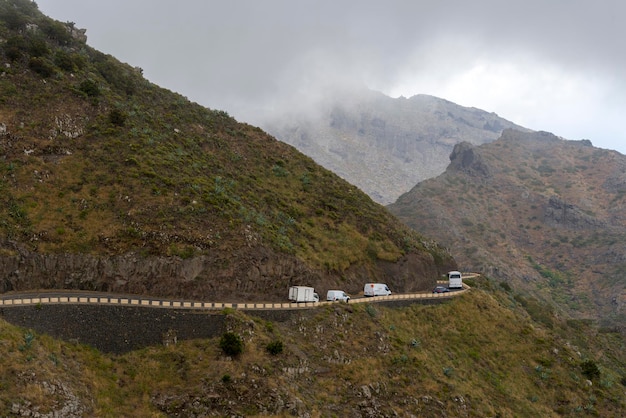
pixel 440 289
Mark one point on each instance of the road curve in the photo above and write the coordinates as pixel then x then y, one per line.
pixel 100 298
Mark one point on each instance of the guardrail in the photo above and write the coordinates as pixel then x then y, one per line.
pixel 180 304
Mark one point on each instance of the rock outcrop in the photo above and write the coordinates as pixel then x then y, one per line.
pixel 249 274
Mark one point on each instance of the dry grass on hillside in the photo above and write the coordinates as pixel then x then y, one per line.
pixel 477 355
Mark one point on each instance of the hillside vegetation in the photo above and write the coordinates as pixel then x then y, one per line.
pixel 477 355
pixel 108 182
pixel 543 214
pixel 124 186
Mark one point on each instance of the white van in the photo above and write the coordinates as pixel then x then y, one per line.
pixel 376 289
pixel 455 280
pixel 334 295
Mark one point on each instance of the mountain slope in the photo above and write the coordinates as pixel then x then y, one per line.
pixel 382 145
pixel 109 182
pixel 542 213
pixel 360 360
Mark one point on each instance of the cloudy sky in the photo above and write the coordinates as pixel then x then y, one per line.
pixel 552 65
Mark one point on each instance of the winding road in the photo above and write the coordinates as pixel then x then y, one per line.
pixel 119 323
pixel 100 298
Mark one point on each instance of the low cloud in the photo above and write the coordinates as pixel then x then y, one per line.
pixel 555 66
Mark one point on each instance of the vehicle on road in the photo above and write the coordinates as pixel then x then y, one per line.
pixel 455 280
pixel 337 295
pixel 376 289
pixel 441 289
pixel 303 294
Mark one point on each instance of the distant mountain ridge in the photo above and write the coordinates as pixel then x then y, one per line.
pixel 384 145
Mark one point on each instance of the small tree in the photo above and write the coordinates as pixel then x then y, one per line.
pixel 231 344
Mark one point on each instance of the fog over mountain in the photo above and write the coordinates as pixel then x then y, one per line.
pixel 385 146
pixel 555 66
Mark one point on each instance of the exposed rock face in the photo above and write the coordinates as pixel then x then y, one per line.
pixel 249 275
pixel 559 213
pixel 253 274
pixel 463 158
pixel 69 405
pixel 383 145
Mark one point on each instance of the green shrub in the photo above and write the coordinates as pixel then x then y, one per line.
pixel 29 337
pixel 279 171
pixel 64 61
pixel 41 66
pixel 275 347
pixel 371 311
pixel 590 369
pixel 13 19
pixel 56 31
pixel 231 344
pixel 90 88
pixel 14 47
pixel 117 117
pixel 37 46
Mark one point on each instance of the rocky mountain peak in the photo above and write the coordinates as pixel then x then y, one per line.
pixel 384 145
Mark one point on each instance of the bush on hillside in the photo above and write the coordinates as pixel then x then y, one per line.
pixel 275 347
pixel 90 88
pixel 117 117
pixel 590 369
pixel 231 344
pixel 41 66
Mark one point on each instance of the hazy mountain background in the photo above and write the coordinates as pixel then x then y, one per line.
pixel 383 145
pixel 539 212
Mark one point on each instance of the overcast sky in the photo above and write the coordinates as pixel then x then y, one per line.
pixel 552 65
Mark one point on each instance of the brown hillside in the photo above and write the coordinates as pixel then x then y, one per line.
pixel 542 213
pixel 352 360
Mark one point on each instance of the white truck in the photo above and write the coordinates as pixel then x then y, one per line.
pixel 455 280
pixel 303 294
pixel 376 289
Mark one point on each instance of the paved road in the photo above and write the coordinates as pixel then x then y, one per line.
pixel 85 297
